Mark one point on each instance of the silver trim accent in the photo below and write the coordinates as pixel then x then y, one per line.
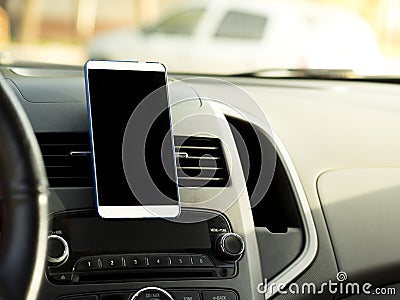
pixel 64 256
pixel 202 178
pixel 197 147
pixel 164 292
pixel 304 260
pixel 181 155
pixel 200 168
pixel 79 153
pixel 203 157
pixel 221 244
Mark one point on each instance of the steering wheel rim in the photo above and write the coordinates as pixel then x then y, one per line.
pixel 23 202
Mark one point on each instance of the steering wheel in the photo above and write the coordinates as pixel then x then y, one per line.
pixel 23 202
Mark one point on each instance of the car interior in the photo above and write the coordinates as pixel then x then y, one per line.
pixel 303 203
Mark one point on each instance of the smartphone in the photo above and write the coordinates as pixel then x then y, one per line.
pixel 132 140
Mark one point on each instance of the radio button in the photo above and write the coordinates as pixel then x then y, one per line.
pixel 230 247
pixel 181 261
pixel 135 261
pixel 112 262
pixel 201 261
pixel 186 295
pixel 159 261
pixel 58 250
pixel 87 264
pixel 219 295
pixel 62 277
pixel 151 293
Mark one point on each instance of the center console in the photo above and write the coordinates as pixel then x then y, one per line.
pixel 155 293
pixel 84 248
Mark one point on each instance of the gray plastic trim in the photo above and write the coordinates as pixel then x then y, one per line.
pixel 304 260
pixel 307 256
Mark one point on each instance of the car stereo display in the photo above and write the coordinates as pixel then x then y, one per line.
pixel 84 247
pixel 114 234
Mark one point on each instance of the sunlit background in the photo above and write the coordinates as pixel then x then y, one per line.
pixel 221 36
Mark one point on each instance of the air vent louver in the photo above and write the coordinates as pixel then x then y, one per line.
pixel 201 162
pixel 67 159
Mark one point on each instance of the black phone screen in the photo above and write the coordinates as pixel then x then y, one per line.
pixel 132 144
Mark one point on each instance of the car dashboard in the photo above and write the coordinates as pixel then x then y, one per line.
pixel 308 182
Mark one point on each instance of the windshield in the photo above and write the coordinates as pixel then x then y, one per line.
pixel 209 37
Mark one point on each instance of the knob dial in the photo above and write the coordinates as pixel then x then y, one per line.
pixel 230 246
pixel 58 250
pixel 152 293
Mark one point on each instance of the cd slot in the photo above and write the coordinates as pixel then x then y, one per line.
pixel 159 274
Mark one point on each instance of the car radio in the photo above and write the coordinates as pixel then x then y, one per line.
pixel 85 248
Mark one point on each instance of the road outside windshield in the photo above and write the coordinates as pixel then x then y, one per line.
pixel 214 37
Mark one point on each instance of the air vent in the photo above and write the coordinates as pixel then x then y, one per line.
pixel 200 162
pixel 67 159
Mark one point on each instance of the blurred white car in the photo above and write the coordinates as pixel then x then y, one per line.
pixel 230 36
pixel 341 40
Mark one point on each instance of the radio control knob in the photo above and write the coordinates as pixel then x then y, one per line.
pixel 230 247
pixel 57 250
pixel 152 293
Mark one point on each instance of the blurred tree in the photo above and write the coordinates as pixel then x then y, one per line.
pixel 24 19
pixel 14 13
pixel 147 11
pixel 30 22
pixel 86 18
pixel 388 23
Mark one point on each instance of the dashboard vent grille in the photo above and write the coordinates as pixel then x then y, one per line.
pixel 200 162
pixel 67 159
